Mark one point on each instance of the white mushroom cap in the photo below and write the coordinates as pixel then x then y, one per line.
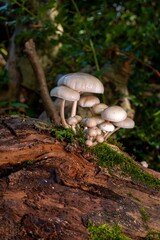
pixel 91 132
pixel 144 164
pixel 100 138
pixel 98 108
pixel 88 101
pixel 98 120
pixel 127 123
pixel 82 82
pixel 65 93
pixel 106 127
pixel 72 121
pixel 79 118
pixel 89 143
pixel 90 122
pixel 99 132
pixel 114 114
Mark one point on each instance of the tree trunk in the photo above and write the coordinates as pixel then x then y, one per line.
pixel 52 191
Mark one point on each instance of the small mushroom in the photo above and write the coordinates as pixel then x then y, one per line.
pixel 79 118
pixel 114 114
pixel 92 132
pixel 64 93
pixel 98 108
pixel 100 139
pixel 106 127
pixel 89 143
pixel 72 121
pixel 98 120
pixel 127 123
pixel 88 101
pixel 90 122
pixel 144 164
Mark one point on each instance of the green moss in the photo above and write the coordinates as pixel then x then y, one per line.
pixel 30 162
pixel 132 196
pixel 107 157
pixel 153 235
pixel 145 217
pixel 106 232
pixel 68 135
pixel 63 134
pixel 114 141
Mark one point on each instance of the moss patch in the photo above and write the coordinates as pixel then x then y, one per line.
pixel 68 135
pixel 106 232
pixel 145 217
pixel 107 157
pixel 153 235
pixel 63 134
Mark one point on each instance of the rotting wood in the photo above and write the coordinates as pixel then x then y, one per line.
pixel 57 195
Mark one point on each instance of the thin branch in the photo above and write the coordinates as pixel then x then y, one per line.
pixel 39 73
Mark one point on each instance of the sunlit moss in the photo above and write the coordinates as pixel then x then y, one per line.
pixel 106 232
pixel 153 235
pixel 107 157
pixel 145 217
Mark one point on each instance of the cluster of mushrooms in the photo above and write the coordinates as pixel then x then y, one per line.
pixel 105 120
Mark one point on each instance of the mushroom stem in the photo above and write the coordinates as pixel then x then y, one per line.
pixel 108 134
pixel 64 123
pixel 74 108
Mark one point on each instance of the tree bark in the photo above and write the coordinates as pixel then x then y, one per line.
pixel 51 190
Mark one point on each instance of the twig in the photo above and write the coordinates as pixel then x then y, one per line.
pixel 37 68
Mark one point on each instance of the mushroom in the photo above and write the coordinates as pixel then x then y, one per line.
pixel 100 139
pixel 127 123
pixel 64 93
pixel 79 118
pixel 98 108
pixel 106 127
pixel 91 134
pixel 72 121
pixel 89 122
pixel 98 120
pixel 81 82
pixel 114 114
pixel 89 143
pixel 144 164
pixel 88 101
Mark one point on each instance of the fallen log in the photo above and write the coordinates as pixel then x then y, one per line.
pixel 51 189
